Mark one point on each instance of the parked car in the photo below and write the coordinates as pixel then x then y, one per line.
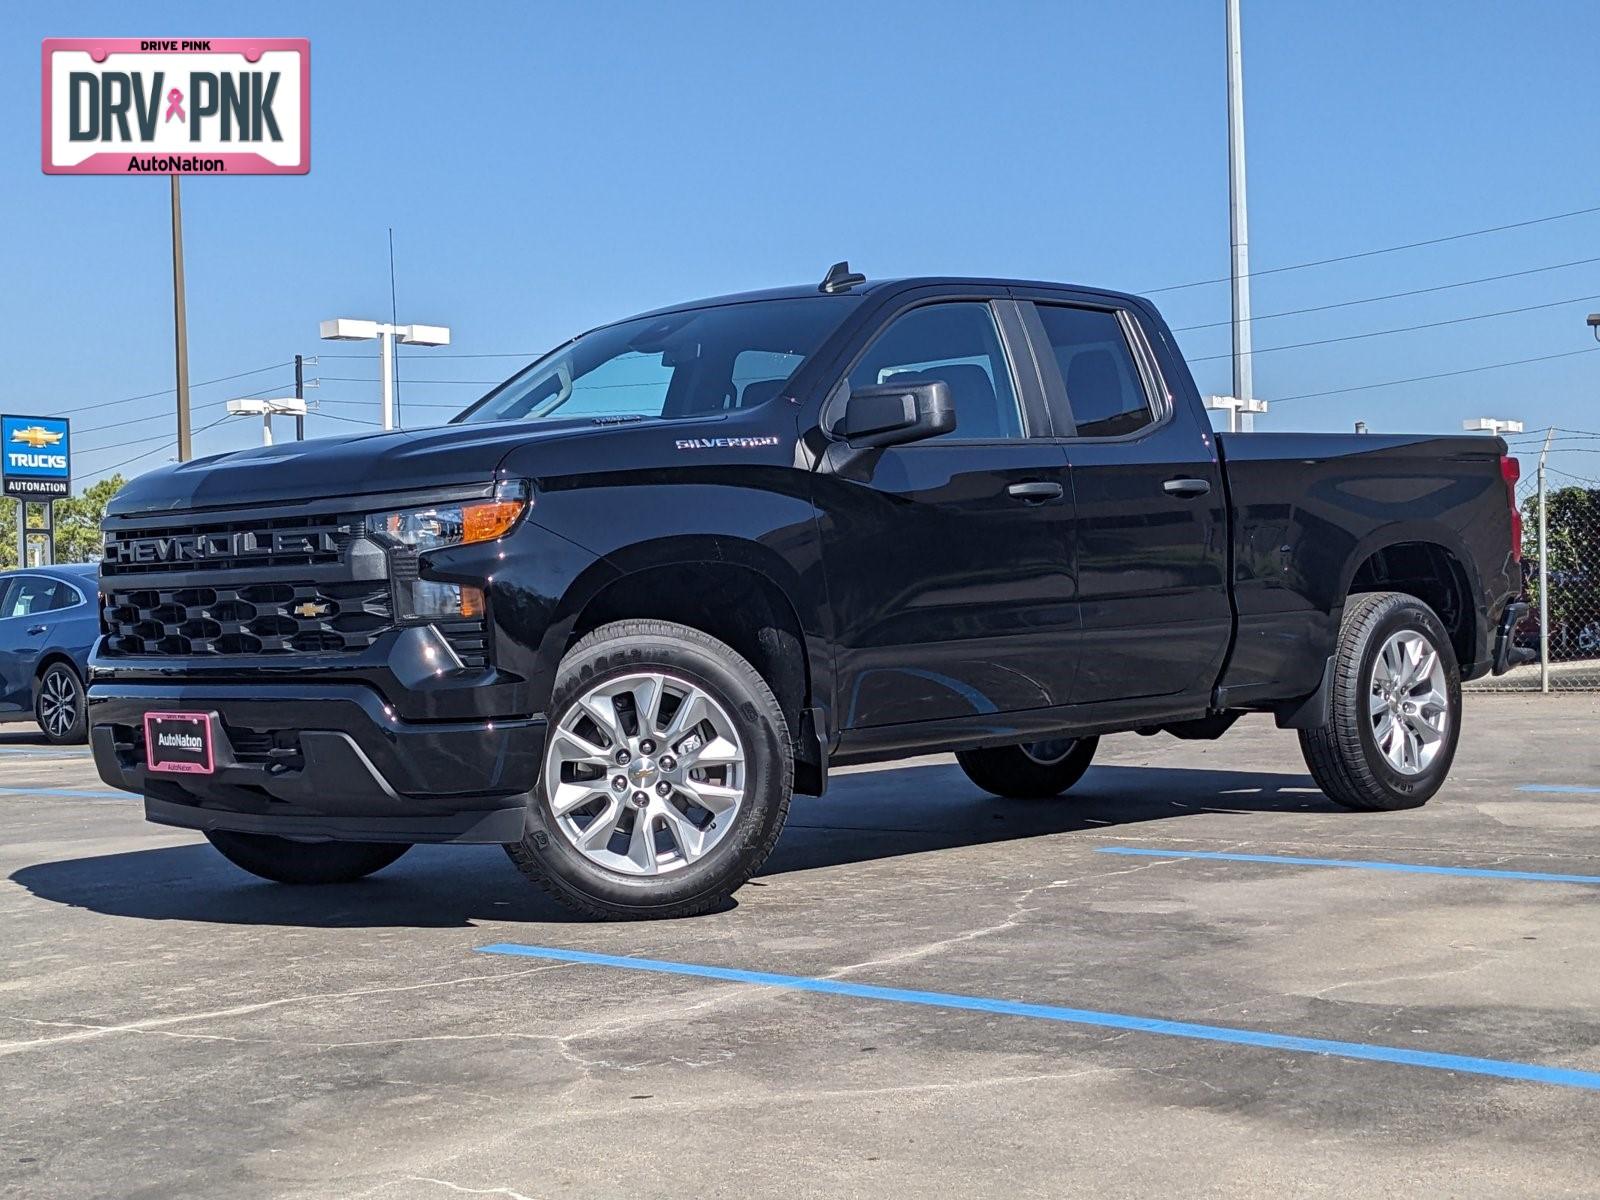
pixel 618 610
pixel 49 620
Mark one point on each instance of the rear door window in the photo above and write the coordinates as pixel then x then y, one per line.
pixel 1105 396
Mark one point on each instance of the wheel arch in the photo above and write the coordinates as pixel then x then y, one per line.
pixel 1431 563
pixel 729 590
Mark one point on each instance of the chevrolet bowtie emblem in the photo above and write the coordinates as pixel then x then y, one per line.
pixel 36 436
pixel 311 608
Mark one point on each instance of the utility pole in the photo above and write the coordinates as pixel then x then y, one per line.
pixel 180 326
pixel 1238 223
pixel 299 394
pixel 1544 575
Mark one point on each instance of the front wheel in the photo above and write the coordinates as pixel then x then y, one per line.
pixel 1031 770
pixel 1396 707
pixel 666 779
pixel 58 705
pixel 284 860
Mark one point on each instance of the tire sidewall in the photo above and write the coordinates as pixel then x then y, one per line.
pixel 767 771
pixel 1412 615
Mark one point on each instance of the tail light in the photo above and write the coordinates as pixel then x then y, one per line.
pixel 1511 471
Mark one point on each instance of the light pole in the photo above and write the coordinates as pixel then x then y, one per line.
pixel 346 329
pixel 1234 406
pixel 1239 224
pixel 290 406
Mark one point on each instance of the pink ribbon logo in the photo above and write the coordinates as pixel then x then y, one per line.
pixel 175 106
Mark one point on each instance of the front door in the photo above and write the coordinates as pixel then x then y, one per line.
pixel 948 561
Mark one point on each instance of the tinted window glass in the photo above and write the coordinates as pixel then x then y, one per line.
pixel 959 344
pixel 66 596
pixel 1103 386
pixel 677 365
pixel 29 596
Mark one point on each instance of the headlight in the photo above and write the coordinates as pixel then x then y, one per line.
pixel 410 533
pixel 436 526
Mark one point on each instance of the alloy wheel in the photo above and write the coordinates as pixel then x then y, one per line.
pixel 1408 703
pixel 645 774
pixel 59 697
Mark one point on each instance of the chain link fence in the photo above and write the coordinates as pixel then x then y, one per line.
pixel 1565 630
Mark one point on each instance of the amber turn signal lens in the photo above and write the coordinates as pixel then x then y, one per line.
pixel 471 602
pixel 486 521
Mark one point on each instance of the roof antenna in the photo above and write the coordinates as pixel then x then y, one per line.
pixel 840 278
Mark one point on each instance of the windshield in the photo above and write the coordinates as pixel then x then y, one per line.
pixel 682 364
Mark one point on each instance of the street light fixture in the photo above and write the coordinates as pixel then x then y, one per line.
pixel 1233 406
pixel 346 329
pixel 1594 324
pixel 1494 425
pixel 289 406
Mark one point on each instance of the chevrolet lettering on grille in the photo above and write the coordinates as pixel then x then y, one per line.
pixel 198 547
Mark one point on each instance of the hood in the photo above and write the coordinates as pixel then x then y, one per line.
pixel 325 468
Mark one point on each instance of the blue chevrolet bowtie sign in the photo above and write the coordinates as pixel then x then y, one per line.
pixel 36 457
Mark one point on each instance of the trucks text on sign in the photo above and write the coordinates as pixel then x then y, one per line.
pixel 36 457
pixel 168 106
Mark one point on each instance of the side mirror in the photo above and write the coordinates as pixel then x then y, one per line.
pixel 892 414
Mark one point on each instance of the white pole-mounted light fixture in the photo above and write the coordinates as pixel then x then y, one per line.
pixel 1494 425
pixel 347 329
pixel 288 406
pixel 1233 406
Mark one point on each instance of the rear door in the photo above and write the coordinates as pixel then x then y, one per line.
pixel 948 561
pixel 1150 526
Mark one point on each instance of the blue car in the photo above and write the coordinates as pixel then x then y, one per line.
pixel 49 620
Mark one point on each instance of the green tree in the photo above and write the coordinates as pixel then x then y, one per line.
pixel 77 523
pixel 1572 552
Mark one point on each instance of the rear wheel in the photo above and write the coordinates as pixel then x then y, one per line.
pixel 284 860
pixel 666 777
pixel 1031 770
pixel 1396 707
pixel 59 707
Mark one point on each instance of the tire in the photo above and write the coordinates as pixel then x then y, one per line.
pixel 706 706
pixel 1374 755
pixel 284 860
pixel 60 706
pixel 1030 771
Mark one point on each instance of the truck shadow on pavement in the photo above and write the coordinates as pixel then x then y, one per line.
pixel 865 817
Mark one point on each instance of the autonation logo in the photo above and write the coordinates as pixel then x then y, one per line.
pixel 180 741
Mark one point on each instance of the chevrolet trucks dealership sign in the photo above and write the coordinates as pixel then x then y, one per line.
pixel 165 106
pixel 36 457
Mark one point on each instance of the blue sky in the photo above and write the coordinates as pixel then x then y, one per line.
pixel 547 166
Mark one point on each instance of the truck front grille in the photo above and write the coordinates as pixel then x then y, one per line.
pixel 258 618
pixel 283 542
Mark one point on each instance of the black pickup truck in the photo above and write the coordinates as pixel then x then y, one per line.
pixel 617 611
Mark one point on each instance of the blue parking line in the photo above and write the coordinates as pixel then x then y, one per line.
pixel 1429 1059
pixel 67 792
pixel 1364 864
pixel 1561 789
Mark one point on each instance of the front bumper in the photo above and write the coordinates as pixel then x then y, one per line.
pixel 349 768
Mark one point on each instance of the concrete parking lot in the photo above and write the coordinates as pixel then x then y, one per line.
pixel 981 997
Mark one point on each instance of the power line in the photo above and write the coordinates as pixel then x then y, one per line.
pixel 445 354
pixel 1442 287
pixel 1356 337
pixel 158 449
pixel 464 382
pixel 169 391
pixel 1323 262
pixel 1367 387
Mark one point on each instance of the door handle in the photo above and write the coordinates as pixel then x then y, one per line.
pixel 1035 492
pixel 33 629
pixel 1186 489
